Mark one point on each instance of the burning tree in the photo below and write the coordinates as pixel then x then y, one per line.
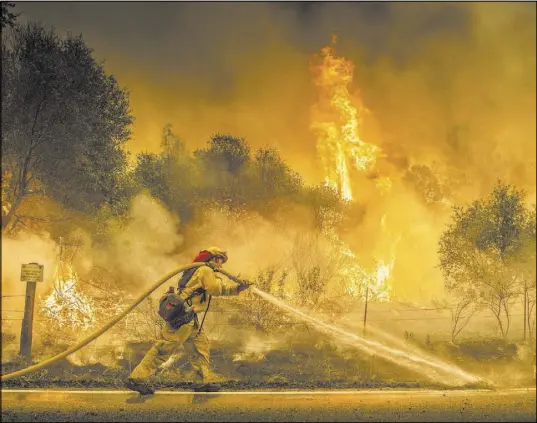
pixel 481 252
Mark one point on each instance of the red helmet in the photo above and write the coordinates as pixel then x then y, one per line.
pixel 209 253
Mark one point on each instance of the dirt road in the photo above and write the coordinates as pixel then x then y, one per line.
pixel 378 405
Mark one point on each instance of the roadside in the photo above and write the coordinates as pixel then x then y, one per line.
pixel 396 405
pixel 304 364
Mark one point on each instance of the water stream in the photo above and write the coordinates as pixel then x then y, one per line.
pixel 423 364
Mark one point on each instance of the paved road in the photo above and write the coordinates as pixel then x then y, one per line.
pixel 515 405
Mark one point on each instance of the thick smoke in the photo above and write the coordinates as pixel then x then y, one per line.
pixel 446 84
pixel 145 248
pixel 22 249
pixel 449 86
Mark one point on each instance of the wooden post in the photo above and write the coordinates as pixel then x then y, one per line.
pixel 27 321
pixel 525 308
pixel 365 310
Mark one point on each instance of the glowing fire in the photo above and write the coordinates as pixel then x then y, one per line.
pixel 359 279
pixel 336 123
pixel 65 305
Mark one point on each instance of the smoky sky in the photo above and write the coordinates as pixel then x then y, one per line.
pixel 171 38
pixel 423 69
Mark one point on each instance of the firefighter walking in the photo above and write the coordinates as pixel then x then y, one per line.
pixel 196 287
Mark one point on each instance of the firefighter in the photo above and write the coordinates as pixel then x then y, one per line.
pixel 203 282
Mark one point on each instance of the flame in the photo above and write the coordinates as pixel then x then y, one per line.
pixel 65 305
pixel 358 278
pixel 376 280
pixel 336 123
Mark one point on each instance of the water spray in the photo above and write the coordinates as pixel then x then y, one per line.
pixel 399 357
pixel 412 362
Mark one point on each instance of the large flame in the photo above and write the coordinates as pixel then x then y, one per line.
pixel 335 119
pixel 65 305
pixel 336 122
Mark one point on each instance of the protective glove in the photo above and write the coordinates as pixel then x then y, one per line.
pixel 242 285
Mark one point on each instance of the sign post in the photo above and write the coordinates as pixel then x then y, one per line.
pixel 30 273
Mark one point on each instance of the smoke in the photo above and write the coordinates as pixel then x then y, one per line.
pixel 449 86
pixel 445 83
pixel 144 248
pixel 22 249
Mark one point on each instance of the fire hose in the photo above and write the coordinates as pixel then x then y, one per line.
pixel 160 282
pixel 100 331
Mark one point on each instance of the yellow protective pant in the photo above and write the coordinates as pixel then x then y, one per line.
pixel 197 346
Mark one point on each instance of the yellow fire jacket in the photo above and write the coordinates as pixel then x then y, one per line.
pixel 212 282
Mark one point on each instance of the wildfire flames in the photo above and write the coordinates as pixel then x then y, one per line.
pixel 336 118
pixel 66 306
pixel 336 122
pixel 359 279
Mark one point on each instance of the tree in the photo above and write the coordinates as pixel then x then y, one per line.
pixel 275 177
pixel 223 163
pixel 525 263
pixel 272 184
pixel 169 176
pixel 172 147
pixel 8 18
pixel 324 202
pixel 316 261
pixel 462 308
pixel 64 121
pixel 422 179
pixel 480 251
pixel 225 153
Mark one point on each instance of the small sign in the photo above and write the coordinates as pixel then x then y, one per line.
pixel 32 272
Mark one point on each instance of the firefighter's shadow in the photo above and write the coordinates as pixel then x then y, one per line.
pixel 139 399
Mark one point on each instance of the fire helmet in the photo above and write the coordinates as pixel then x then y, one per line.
pixel 211 252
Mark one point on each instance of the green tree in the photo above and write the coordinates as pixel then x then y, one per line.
pixel 64 122
pixel 481 250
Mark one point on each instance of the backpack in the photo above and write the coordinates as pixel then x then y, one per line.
pixel 173 309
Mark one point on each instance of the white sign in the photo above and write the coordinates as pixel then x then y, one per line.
pixel 32 272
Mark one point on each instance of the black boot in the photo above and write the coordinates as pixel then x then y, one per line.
pixel 138 386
